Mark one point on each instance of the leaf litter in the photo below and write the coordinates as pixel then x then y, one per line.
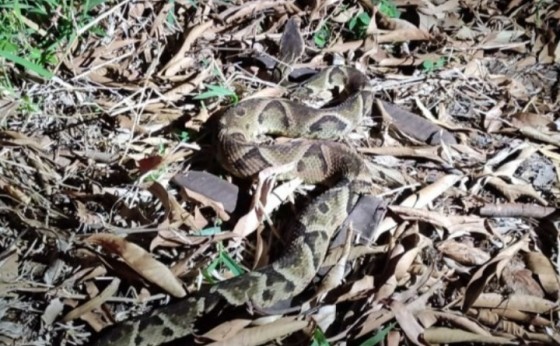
pixel 97 226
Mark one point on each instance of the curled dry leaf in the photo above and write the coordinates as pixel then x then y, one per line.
pixel 537 121
pixel 461 321
pixel 227 329
pixel 494 316
pixel 543 268
pixel 93 303
pixel 465 254
pixel 141 261
pixel 457 225
pixel 335 276
pixel 514 192
pixel 419 200
pixel 520 302
pixel 520 280
pixel 488 271
pixel 364 284
pixel 264 202
pixel 407 321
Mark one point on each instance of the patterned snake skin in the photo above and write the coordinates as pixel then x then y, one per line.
pixel 314 157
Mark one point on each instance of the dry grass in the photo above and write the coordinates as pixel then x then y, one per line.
pixel 93 131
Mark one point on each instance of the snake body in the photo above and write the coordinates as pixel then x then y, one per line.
pixel 312 156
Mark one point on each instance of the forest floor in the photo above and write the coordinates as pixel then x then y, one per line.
pixel 107 107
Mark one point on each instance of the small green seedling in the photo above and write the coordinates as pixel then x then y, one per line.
pixel 429 66
pixel 319 338
pixel 321 37
pixel 379 336
pixel 388 8
pixel 223 259
pixel 217 91
pixel 358 24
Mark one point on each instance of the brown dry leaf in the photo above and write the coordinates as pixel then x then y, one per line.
pixel 541 266
pixel 14 192
pixel 465 254
pixel 519 280
pixel 262 334
pixel 534 120
pixel 481 277
pixel 356 251
pixel 227 329
pixel 494 316
pixel 441 335
pixel 174 65
pixel 400 260
pixel 461 321
pixel 419 200
pixel 543 136
pixel 457 225
pixel 428 153
pixel 515 302
pixel 182 90
pixel 514 192
pixel 264 202
pixel 407 321
pixel 93 303
pixel 141 261
pixel 335 276
pixel 174 211
pixel 375 320
pixel 401 31
pixel 507 162
pixel 363 285
pixel 9 265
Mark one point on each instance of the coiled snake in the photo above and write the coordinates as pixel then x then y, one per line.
pixel 315 158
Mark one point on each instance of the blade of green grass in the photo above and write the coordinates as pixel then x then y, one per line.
pixel 27 64
pixel 379 336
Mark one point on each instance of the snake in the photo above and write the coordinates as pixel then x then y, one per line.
pixel 246 146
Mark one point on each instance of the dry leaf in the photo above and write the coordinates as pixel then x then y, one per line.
pixel 141 261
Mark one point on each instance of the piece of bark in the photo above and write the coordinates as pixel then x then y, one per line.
pixel 518 210
pixel 418 127
pixel 211 186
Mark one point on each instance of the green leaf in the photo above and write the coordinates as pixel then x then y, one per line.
pixel 379 336
pixel 322 36
pixel 91 4
pixel 223 259
pixel 231 264
pixel 185 136
pixel 319 338
pixel 208 231
pixel 8 46
pixel 27 64
pixel 429 65
pixel 207 272
pixel 388 8
pixel 217 91
pixel 364 18
pixel 352 23
pixel 359 23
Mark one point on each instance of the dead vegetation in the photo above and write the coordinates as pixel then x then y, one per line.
pixel 97 222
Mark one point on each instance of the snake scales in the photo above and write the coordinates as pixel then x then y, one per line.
pixel 314 157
